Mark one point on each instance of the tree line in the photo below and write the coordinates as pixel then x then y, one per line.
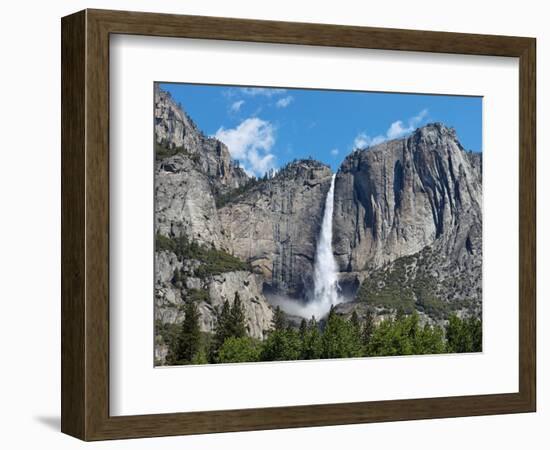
pixel 336 337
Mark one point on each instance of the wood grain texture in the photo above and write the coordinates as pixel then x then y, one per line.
pixel 527 224
pixel 73 226
pixel 85 224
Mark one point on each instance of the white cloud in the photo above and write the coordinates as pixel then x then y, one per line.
pixel 251 143
pixel 284 102
pixel 396 130
pixel 363 140
pixel 266 92
pixel 377 140
pixel 259 164
pixel 236 106
pixel 334 151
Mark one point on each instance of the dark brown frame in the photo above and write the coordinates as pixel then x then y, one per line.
pixel 85 224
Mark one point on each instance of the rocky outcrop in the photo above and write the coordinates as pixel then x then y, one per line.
pixel 185 204
pixel 394 199
pixel 275 226
pixel 404 196
pixel 258 312
pixel 175 130
pixel 171 296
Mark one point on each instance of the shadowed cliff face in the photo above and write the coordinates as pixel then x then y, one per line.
pixel 394 199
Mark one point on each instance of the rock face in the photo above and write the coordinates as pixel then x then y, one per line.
pixel 184 202
pixel 170 297
pixel 191 171
pixel 175 130
pixel 275 226
pixel 258 313
pixel 404 196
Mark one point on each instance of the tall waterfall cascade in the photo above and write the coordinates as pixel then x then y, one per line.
pixel 325 274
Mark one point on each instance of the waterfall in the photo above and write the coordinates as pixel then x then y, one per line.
pixel 325 278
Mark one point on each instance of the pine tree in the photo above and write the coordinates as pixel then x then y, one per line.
pixel 221 332
pixel 356 332
pixel 368 328
pixel 312 344
pixel 458 340
pixel 237 320
pixel 188 339
pixel 475 329
pixel 340 339
pixel 244 349
pixel 303 329
pixel 279 322
pixel 231 322
pixel 354 321
pixel 283 343
pixel 429 340
pixel 463 336
pixel 176 278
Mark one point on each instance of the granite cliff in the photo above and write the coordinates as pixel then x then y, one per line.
pixel 176 133
pixel 191 172
pixel 275 225
pixel 408 215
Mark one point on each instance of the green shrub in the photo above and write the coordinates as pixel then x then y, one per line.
pixel 163 243
pixel 198 295
pixel 167 331
pixel 213 261
pixel 341 338
pixel 187 343
pixel 432 306
pixel 162 151
pixel 405 336
pixel 230 323
pixel 223 199
pixel 201 357
pixel 239 349
pixel 282 345
pixel 400 286
pixel 464 336
pixel 388 288
pixel 312 342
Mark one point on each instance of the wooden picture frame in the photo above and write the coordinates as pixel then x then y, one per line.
pixel 85 224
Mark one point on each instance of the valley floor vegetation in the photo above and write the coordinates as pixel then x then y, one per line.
pixel 334 337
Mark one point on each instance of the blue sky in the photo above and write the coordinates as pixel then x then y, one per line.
pixel 265 128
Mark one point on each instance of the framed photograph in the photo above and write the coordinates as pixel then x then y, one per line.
pixel 273 225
